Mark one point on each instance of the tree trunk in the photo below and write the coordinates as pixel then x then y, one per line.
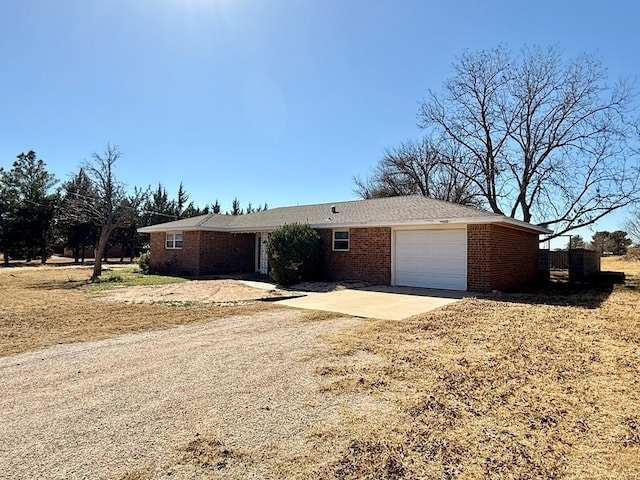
pixel 5 256
pixel 100 252
pixel 132 247
pixel 43 252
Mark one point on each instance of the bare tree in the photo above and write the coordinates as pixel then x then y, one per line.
pixel 543 139
pixel 104 205
pixel 109 194
pixel 632 226
pixel 418 168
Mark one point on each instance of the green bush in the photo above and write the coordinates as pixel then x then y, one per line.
pixel 294 254
pixel 144 262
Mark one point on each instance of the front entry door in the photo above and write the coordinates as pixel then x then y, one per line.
pixel 262 263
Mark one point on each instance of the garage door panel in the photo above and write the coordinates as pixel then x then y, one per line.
pixel 431 258
pixel 428 281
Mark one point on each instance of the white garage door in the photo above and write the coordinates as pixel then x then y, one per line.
pixel 431 258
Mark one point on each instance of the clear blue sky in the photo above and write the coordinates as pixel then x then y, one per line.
pixel 282 101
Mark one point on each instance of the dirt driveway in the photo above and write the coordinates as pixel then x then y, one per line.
pixel 108 408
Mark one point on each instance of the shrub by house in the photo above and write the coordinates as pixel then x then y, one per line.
pixel 294 253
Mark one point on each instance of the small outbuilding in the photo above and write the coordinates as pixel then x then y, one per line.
pixel 406 241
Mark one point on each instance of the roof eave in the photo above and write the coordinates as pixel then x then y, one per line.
pixel 527 226
pixel 168 228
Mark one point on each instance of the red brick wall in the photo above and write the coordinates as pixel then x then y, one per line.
pixel 158 255
pixel 500 258
pixel 204 253
pixel 224 252
pixel 179 261
pixel 368 259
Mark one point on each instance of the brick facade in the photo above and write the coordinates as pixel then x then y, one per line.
pixel 500 258
pixel 368 259
pixel 204 253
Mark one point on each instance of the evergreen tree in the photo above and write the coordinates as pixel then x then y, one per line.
pixel 8 207
pixel 131 212
pixel 619 242
pixel 614 243
pixel 601 242
pixel 184 209
pixel 576 241
pixel 29 187
pixel 158 208
pixel 235 207
pixel 76 226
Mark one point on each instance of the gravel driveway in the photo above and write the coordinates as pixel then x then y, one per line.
pixel 98 410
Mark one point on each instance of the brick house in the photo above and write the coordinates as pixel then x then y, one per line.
pixel 408 241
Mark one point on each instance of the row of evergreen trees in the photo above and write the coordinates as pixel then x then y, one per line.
pixel 37 212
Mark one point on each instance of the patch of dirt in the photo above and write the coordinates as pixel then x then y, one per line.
pixel 44 306
pixel 217 291
pixel 196 291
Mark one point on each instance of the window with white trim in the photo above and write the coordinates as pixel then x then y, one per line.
pixel 341 240
pixel 174 240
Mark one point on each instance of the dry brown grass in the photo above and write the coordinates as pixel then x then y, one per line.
pixel 209 453
pixel 319 315
pixel 535 385
pixel 543 385
pixel 620 264
pixel 44 306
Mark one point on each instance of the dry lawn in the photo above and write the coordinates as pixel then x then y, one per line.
pixel 44 306
pixel 537 385
pixel 540 385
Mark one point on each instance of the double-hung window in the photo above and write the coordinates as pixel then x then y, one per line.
pixel 341 240
pixel 174 240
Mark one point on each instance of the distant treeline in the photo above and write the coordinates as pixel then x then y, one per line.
pixel 38 212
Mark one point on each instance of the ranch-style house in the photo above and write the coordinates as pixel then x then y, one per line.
pixel 405 241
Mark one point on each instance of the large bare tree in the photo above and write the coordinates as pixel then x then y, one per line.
pixel 104 205
pixel 109 196
pixel 543 139
pixel 418 168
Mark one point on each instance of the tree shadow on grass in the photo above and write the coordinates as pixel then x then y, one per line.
pixel 559 291
pixel 70 284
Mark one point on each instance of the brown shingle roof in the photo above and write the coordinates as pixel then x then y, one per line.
pixel 391 211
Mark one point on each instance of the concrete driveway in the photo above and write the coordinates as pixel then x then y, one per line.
pixel 382 302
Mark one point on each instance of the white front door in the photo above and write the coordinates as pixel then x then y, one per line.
pixel 431 258
pixel 262 261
